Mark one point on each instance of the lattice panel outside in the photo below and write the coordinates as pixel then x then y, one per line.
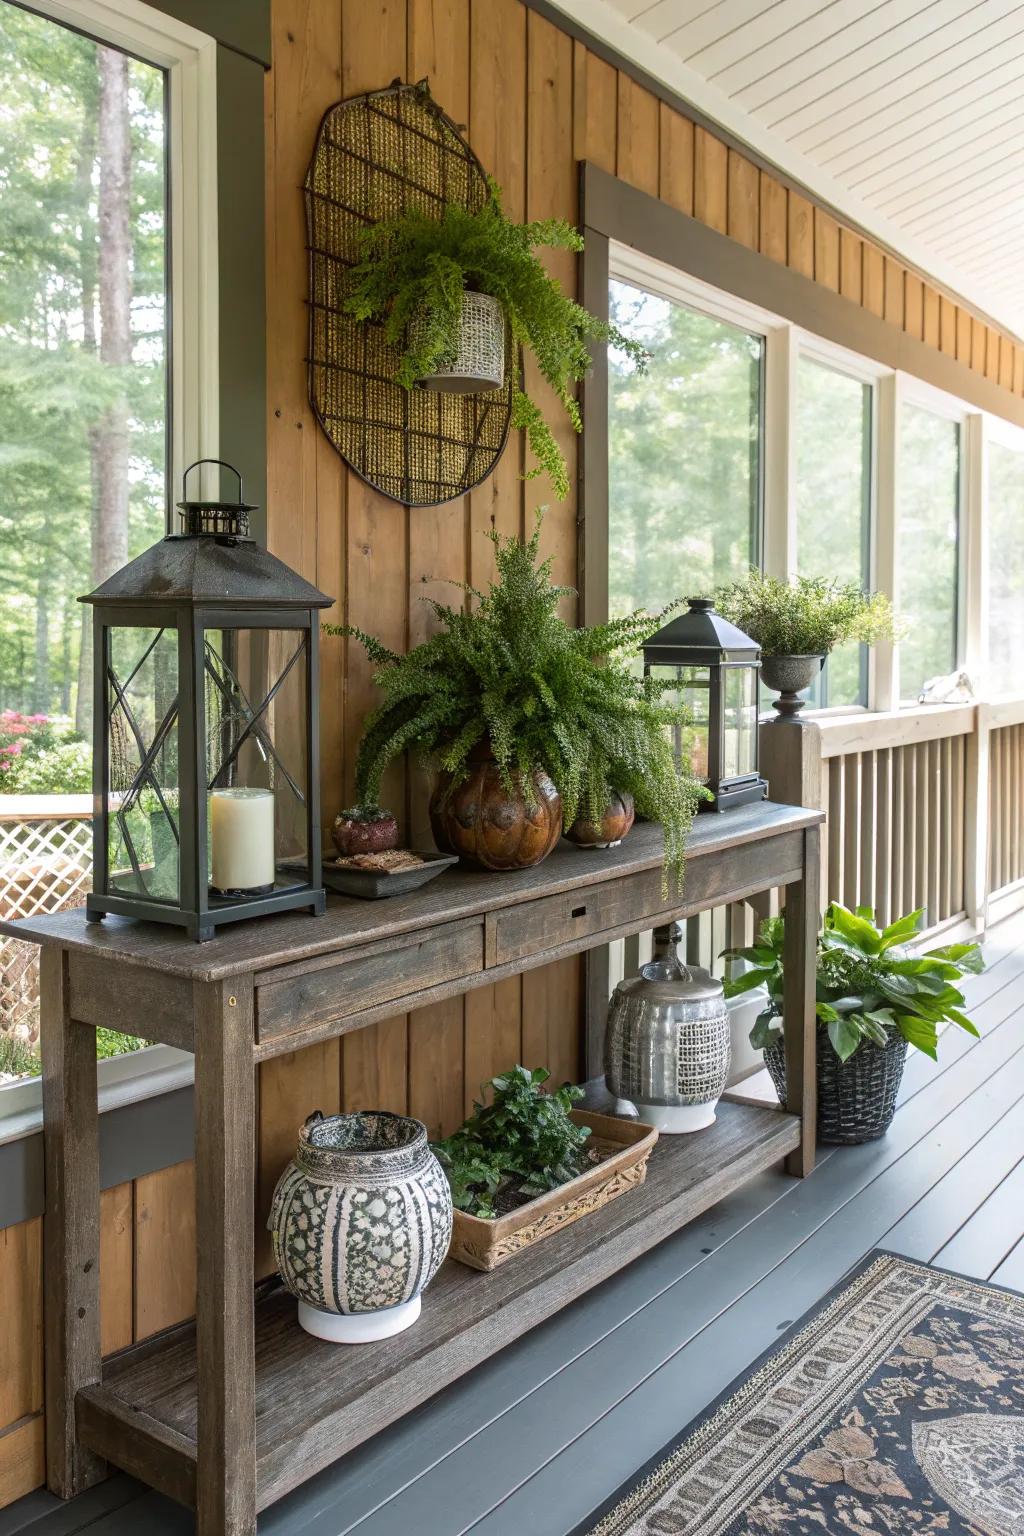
pixel 45 866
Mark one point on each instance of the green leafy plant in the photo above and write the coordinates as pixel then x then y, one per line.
pixel 511 672
pixel 517 1147
pixel 367 813
pixel 806 617
pixel 411 275
pixel 869 984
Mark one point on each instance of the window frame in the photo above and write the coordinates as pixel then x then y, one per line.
pixel 189 59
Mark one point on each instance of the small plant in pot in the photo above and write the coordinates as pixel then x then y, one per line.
pixel 529 723
pixel 364 829
pixel 445 289
pixel 798 623
pixel 874 998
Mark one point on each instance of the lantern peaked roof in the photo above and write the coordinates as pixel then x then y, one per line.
pixel 700 628
pixel 203 569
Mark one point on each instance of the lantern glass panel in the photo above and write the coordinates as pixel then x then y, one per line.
pixel 257 761
pixel 143 835
pixel 740 721
pixel 690 742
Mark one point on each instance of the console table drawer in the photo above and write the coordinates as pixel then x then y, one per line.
pixel 553 920
pixel 330 990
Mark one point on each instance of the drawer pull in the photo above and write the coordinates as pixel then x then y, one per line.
pixel 579 911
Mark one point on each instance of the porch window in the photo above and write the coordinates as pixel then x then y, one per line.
pixel 83 420
pixel 928 494
pixel 833 412
pixel 685 448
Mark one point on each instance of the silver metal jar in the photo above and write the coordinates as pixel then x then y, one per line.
pixel 667 1046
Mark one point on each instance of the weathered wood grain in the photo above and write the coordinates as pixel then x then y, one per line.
pixel 225 1178
pixel 799 961
pixel 137 1443
pixel 164 1248
pixel 116 1268
pixel 71 1227
pixel 134 1001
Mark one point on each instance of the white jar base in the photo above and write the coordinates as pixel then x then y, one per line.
pixel 358 1327
pixel 677 1119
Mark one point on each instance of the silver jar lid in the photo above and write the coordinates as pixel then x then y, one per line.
pixel 669 980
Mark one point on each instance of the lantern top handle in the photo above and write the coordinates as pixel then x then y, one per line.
pixel 212 516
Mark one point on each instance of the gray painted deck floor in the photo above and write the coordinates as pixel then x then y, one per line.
pixel 542 1434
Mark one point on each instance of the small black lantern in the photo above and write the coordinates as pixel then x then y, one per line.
pixel 206 729
pixel 714 667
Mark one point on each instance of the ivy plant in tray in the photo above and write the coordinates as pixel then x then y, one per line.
pixel 517 1147
pixel 412 273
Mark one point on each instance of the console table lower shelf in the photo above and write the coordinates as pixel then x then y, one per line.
pixel 315 1401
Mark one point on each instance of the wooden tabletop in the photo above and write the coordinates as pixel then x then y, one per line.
pixel 271 941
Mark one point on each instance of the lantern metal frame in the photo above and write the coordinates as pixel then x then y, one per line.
pixel 702 639
pixel 190 584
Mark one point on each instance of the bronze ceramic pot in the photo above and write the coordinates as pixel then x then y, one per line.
pixel 611 829
pixel 486 826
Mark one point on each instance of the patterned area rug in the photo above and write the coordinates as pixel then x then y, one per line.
pixel 895 1407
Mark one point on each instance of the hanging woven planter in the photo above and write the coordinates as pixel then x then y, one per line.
pixel 478 362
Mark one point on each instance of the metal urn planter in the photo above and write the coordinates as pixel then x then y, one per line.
pixel 667 1048
pixel 486 825
pixel 789 677
pixel 616 820
pixel 361 1221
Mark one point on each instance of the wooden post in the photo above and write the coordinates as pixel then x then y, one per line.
pixel 799 963
pixel 225 1335
pixel 71 1226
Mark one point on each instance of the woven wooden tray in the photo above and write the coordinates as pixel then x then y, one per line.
pixel 625 1146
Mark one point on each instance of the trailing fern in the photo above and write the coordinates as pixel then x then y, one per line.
pixel 411 275
pixel 509 671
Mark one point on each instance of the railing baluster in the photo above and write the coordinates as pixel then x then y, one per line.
pixel 851 828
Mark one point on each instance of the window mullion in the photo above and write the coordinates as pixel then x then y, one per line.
pixel 884 667
pixel 778 550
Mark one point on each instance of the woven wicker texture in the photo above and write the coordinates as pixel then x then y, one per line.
pixel 378 156
pixel 856 1098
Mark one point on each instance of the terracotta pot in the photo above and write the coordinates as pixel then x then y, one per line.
pixel 486 826
pixel 611 829
pixel 352 835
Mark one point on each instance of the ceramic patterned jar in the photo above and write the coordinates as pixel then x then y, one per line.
pixel 361 1220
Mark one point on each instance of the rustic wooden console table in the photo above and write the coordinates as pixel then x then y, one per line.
pixel 229 1413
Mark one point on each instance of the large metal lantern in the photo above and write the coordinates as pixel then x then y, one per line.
pixel 714 667
pixel 206 733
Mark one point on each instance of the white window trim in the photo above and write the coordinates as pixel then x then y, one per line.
pixel 190 59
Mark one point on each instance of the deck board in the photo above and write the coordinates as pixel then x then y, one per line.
pixel 552 1424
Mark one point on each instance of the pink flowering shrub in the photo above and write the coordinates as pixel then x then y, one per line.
pixel 41 755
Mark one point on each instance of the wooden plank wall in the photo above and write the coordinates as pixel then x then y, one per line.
pixel 535 102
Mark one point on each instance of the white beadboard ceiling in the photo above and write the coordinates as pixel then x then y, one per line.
pixel 906 115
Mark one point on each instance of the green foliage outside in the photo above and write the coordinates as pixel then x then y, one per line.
pixel 869 983
pixel 412 274
pixel 928 555
pixel 1005 566
pixel 517 1147
pixel 806 617
pixel 684 445
pixel 510 672
pixel 42 755
pixel 18 1059
pixel 56 390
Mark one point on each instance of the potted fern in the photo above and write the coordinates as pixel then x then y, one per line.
pixel 797 623
pixel 529 723
pixel 449 285
pixel 875 997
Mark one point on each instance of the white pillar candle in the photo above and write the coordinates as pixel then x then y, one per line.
pixel 242 837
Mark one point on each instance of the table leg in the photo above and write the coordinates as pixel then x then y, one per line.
pixel 225 1176
pixel 799 962
pixel 71 1226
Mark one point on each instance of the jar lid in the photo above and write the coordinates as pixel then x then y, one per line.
pixel 669 980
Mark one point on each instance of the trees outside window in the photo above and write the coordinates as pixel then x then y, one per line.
pixel 928 514
pixel 1005 567
pixel 82 354
pixel 684 494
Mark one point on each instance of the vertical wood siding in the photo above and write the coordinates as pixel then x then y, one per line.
pixel 535 103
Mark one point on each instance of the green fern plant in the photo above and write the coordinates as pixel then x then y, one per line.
pixel 415 268
pixel 510 672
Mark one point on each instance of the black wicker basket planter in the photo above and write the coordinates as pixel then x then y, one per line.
pixel 856 1098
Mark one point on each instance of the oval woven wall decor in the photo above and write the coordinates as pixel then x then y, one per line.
pixel 377 156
